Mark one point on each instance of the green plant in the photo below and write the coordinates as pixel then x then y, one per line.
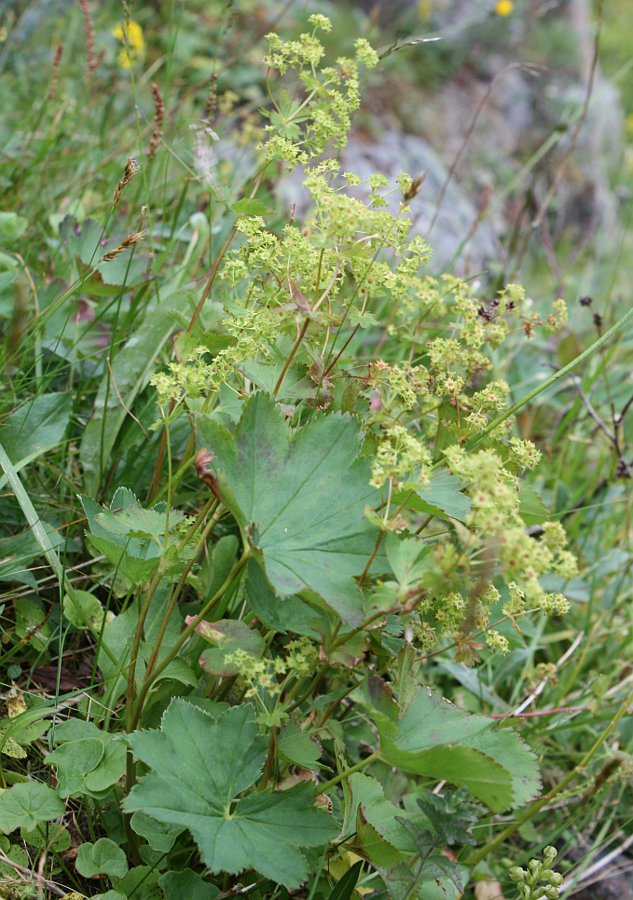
pixel 302 522
pixel 539 880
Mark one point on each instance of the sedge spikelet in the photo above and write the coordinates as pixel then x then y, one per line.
pixel 131 169
pixel 127 242
pixel 159 118
pixel 89 30
pixel 54 79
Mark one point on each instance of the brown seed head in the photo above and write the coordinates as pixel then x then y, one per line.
pixel 128 241
pixel 131 169
pixel 159 118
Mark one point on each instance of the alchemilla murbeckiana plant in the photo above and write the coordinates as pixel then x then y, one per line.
pixel 335 521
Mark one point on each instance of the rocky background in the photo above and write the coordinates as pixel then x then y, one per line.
pixel 518 146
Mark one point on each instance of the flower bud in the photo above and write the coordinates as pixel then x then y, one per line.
pixel 516 873
pixel 549 855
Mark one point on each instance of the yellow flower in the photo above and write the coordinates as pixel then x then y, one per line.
pixel 504 7
pixel 424 9
pixel 130 34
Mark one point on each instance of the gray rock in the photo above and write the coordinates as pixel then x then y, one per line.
pixel 459 241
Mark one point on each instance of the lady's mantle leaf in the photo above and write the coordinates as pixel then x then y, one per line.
pixel 200 767
pixel 302 497
pixel 26 804
pixel 432 737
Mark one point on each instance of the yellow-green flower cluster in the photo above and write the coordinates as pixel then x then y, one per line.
pixel 252 333
pixel 557 319
pixel 398 384
pixel 301 129
pixel 495 513
pixel 525 455
pixel 498 642
pixel 400 456
pixel 185 379
pixel 264 676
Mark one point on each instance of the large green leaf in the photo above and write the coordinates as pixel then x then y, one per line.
pixel 431 737
pixel 201 765
pixel 302 497
pixel 132 369
pixel 463 765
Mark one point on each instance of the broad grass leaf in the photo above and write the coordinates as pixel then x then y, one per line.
pixel 35 428
pixel 132 369
pixel 200 767
pixel 18 550
pixel 344 887
pixel 302 497
pixel 27 804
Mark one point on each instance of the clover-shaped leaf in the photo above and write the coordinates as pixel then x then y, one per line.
pixel 89 761
pixel 103 857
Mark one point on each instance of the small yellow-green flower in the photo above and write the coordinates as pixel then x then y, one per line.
pixel 504 7
pixel 130 34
